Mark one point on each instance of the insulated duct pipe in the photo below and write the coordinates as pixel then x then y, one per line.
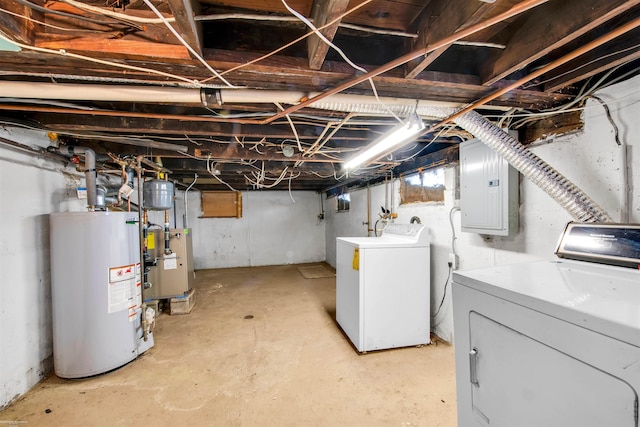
pixel 89 172
pixel 552 182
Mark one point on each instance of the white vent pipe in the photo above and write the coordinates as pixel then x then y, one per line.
pixel 89 92
pixel 202 96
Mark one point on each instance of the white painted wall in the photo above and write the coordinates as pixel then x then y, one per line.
pixel 590 158
pixel 30 189
pixel 273 230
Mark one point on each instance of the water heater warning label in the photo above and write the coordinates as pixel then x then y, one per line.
pixel 125 289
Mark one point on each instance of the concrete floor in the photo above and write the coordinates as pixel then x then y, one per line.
pixel 288 365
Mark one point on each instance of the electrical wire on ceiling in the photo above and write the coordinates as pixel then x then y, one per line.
pixel 426 145
pixel 290 194
pixel 610 118
pixel 63 52
pixel 28 18
pixel 322 37
pixel 263 57
pixel 319 144
pixel 185 44
pixel 293 127
pixel 341 53
pixel 277 18
pixel 213 174
pixel 529 114
pixel 573 69
pixel 46 102
pixel 110 13
pixel 78 17
pixel 259 178
pixel 585 92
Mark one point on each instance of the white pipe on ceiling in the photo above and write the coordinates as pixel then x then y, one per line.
pixel 209 97
pixel 89 92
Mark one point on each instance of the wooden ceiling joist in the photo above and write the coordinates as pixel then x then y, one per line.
pixel 236 151
pixel 539 35
pixel 184 11
pixel 597 61
pixel 126 125
pixel 116 48
pixel 323 12
pixel 439 19
pixel 22 30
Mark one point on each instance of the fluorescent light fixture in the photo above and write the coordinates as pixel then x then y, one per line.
pixel 399 135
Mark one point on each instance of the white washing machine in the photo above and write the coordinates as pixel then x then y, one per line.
pixel 555 342
pixel 383 288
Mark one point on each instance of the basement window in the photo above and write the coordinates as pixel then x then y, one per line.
pixel 344 200
pixel 221 204
pixel 426 186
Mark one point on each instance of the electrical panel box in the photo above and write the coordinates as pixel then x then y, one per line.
pixel 488 191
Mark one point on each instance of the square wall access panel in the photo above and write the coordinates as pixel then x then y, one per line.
pixel 488 191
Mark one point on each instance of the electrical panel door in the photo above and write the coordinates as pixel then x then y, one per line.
pixel 488 191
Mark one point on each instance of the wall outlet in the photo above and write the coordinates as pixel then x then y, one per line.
pixel 453 260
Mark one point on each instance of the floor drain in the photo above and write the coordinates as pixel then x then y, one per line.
pixel 249 316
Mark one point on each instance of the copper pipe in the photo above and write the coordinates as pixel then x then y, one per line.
pixel 550 66
pixel 515 10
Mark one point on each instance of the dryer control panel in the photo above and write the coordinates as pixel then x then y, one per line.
pixel 613 244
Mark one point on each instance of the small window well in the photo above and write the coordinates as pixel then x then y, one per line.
pixel 427 186
pixel 344 200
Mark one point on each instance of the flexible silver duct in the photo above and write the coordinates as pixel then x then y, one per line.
pixel 552 182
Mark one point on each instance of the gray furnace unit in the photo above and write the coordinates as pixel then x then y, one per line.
pixel 173 274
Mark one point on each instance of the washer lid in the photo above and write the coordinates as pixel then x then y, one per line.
pixel 380 242
pixel 393 236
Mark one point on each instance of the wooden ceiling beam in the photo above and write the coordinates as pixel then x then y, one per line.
pixel 323 12
pixel 115 124
pixel 189 166
pixel 296 185
pixel 597 61
pixel 237 152
pixel 189 29
pixel 20 29
pixel 116 48
pixel 440 19
pixel 547 28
